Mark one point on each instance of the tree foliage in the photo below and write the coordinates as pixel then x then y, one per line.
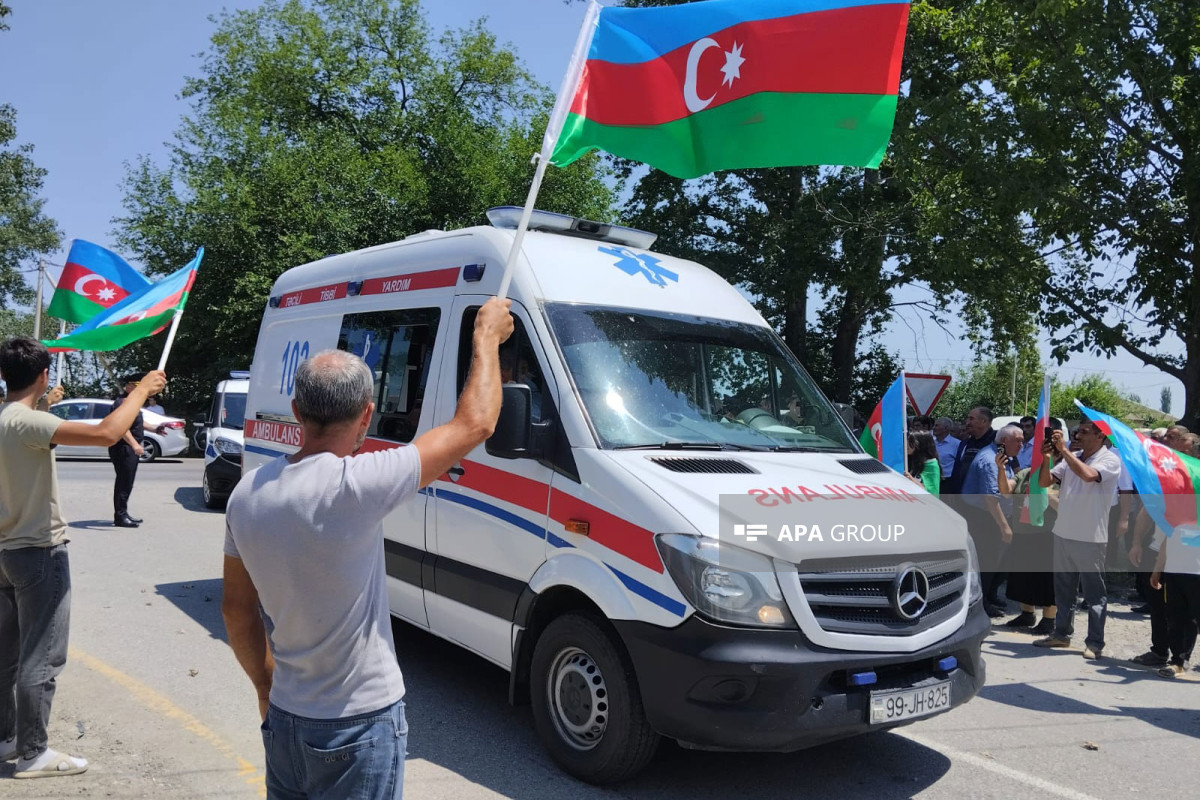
pixel 323 126
pixel 25 230
pixel 1089 116
pixel 990 384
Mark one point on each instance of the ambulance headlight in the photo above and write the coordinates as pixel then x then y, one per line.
pixel 974 582
pixel 227 447
pixel 725 583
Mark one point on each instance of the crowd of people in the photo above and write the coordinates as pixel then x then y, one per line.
pixel 1045 553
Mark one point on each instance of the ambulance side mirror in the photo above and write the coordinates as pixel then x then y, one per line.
pixel 513 433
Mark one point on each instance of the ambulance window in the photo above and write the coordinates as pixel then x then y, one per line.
pixel 518 364
pixel 398 347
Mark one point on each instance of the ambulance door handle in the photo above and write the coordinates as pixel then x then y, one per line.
pixel 456 472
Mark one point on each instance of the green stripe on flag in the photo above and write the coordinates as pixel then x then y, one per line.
pixel 1038 500
pixel 868 442
pixel 72 307
pixel 112 337
pixel 763 130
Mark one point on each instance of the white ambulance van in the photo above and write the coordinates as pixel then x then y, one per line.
pixel 578 549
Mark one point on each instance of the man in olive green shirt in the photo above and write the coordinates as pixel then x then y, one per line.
pixel 35 576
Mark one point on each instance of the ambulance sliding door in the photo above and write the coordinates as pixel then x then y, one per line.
pixel 403 350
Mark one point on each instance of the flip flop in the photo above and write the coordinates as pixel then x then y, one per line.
pixel 58 765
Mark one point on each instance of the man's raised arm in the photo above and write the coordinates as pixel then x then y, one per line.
pixel 479 404
pixel 113 427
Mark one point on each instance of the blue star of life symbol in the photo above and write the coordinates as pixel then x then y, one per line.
pixel 632 263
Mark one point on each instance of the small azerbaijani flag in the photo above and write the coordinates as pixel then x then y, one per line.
pixel 1168 482
pixel 92 281
pixel 728 84
pixel 886 434
pixel 1034 510
pixel 136 317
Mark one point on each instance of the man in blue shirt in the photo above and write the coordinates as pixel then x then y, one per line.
pixel 947 448
pixel 1025 454
pixel 987 512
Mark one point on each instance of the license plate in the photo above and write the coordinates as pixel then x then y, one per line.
pixel 901 704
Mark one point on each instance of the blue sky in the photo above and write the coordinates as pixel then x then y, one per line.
pixel 96 84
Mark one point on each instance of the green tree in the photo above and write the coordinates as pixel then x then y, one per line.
pixel 1094 391
pixel 323 126
pixel 24 230
pixel 1089 113
pixel 990 384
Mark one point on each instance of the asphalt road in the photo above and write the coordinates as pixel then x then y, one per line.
pixel 154 698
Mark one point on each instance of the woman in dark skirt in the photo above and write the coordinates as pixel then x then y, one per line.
pixel 1029 557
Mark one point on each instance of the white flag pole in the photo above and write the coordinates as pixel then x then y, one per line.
pixel 558 116
pixel 162 362
pixel 58 372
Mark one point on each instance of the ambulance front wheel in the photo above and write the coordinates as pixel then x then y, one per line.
pixel 586 705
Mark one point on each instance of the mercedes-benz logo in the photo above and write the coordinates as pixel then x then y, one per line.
pixel 910 592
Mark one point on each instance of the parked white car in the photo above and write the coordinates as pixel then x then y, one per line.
pixel 164 436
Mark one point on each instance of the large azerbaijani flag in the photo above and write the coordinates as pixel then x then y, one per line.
pixel 730 84
pixel 1168 482
pixel 93 280
pixel 886 434
pixel 136 317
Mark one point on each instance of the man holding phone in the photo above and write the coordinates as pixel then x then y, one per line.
pixel 1088 484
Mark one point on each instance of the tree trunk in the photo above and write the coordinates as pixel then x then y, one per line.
pixel 1191 387
pixel 845 345
pixel 795 326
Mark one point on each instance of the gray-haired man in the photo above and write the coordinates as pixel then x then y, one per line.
pixel 324 662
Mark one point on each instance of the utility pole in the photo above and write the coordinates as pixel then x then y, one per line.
pixel 37 313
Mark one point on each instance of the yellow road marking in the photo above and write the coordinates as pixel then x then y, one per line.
pixel 159 703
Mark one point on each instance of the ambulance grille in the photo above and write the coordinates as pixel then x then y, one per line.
pixel 853 595
pixel 712 466
pixel 863 466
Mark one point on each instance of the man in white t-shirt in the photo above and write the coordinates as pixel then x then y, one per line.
pixel 304 543
pixel 1088 483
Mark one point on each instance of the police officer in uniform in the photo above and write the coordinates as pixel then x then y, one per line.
pixel 124 456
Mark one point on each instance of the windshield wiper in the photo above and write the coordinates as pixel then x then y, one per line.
pixel 799 448
pixel 679 446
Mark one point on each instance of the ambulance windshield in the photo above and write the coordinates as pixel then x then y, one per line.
pixel 654 380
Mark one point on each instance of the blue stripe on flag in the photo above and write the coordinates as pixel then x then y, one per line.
pixel 634 35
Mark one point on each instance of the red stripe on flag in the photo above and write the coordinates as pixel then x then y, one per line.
pixel 71 275
pixel 854 50
pixel 1179 492
pixel 411 282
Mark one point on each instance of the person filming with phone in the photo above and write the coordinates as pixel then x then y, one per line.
pixel 1088 484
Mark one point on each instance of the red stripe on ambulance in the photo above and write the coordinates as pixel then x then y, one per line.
pixel 275 432
pixel 411 282
pixel 319 294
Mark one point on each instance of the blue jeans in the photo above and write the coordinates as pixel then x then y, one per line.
pixel 352 758
pixel 35 617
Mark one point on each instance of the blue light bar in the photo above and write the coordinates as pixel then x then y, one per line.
pixel 946 664
pixel 863 678
pixel 473 272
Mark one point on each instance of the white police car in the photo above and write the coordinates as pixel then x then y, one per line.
pixel 223 438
